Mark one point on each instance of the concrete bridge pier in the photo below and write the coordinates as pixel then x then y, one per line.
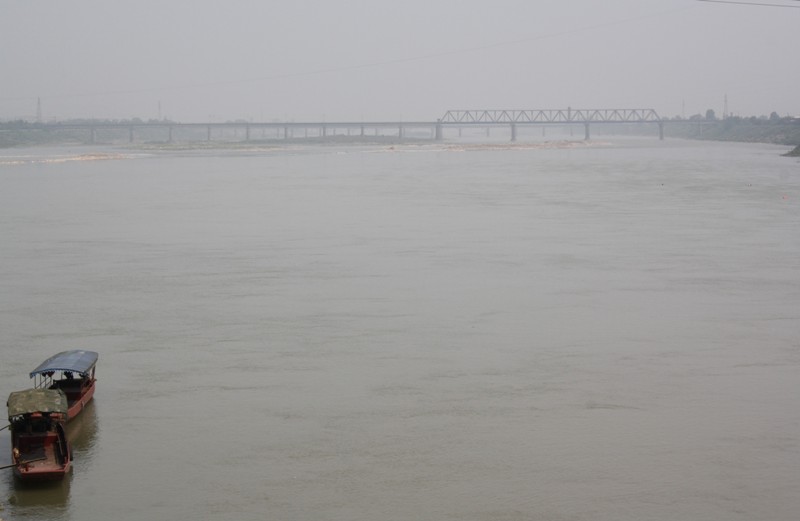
pixel 513 132
pixel 286 132
pixel 247 133
pixel 437 136
pixel 324 131
pixel 400 132
pixel 169 137
pixel 661 130
pixel 130 135
pixel 587 131
pixel 362 130
pixel 208 133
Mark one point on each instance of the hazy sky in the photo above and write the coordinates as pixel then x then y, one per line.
pixel 304 60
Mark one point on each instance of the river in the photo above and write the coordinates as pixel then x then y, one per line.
pixel 561 332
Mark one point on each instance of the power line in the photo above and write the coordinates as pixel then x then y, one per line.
pixel 753 3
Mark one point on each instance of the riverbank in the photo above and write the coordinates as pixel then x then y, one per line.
pixel 793 153
pixel 784 132
pixel 151 139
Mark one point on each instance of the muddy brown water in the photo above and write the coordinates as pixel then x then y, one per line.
pixel 454 332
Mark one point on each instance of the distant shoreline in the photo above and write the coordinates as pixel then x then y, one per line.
pixel 744 131
pixel 782 132
pixel 793 153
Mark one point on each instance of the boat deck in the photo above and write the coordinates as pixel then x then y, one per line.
pixel 41 458
pixel 37 453
pixel 37 445
pixel 72 388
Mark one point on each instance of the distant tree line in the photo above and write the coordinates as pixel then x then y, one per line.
pixel 23 124
pixel 756 129
pixel 711 115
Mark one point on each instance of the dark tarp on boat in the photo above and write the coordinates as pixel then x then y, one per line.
pixel 77 361
pixel 36 400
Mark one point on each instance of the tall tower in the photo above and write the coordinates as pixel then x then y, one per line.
pixel 725 109
pixel 38 110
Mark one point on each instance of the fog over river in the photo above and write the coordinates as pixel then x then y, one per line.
pixel 599 332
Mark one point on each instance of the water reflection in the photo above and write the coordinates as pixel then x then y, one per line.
pixel 82 434
pixel 40 495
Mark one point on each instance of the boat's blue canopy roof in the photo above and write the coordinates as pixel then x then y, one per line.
pixel 77 361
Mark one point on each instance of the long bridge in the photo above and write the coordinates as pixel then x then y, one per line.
pixel 247 131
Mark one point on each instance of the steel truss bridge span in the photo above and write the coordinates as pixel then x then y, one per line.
pixel 551 116
pixel 567 115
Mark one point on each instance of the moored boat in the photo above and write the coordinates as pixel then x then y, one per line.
pixel 39 447
pixel 71 372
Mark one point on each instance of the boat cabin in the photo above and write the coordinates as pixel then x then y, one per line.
pixel 72 372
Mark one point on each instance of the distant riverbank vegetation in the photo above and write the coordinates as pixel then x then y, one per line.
pixel 765 129
pixel 25 133
pixel 171 135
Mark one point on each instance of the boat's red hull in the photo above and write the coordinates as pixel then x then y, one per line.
pixel 76 404
pixel 47 472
